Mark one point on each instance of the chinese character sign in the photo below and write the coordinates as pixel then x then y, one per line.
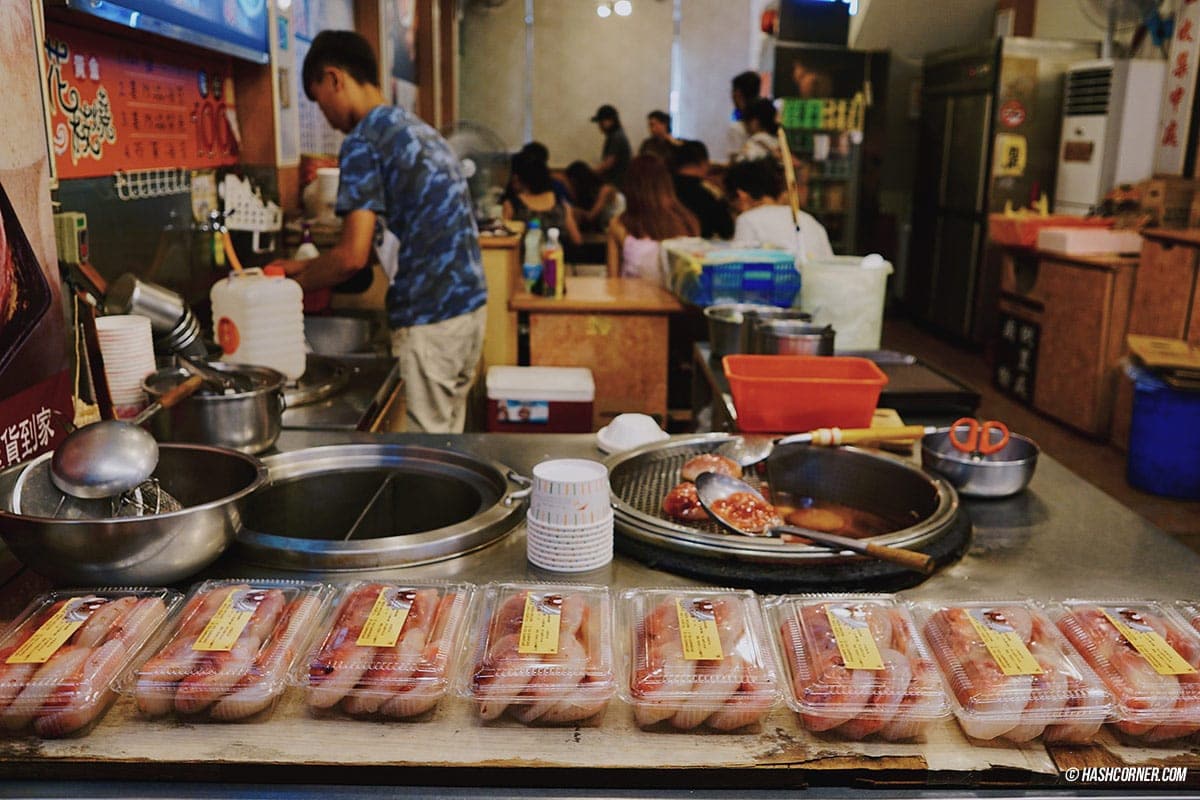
pixel 115 105
pixel 1175 118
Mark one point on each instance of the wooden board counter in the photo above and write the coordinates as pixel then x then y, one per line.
pixel 617 327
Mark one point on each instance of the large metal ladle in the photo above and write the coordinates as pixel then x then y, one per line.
pixel 748 450
pixel 111 457
pixel 712 487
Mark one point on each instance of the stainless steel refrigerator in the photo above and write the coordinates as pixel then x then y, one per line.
pixel 990 118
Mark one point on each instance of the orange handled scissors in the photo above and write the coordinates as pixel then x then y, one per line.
pixel 978 440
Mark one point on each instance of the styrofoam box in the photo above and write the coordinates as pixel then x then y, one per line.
pixel 1089 241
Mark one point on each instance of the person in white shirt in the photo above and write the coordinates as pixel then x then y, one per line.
pixel 763 129
pixel 755 189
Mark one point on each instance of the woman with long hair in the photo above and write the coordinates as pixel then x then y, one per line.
pixel 652 213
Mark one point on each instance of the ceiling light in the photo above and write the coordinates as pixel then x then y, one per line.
pixel 623 8
pixel 604 10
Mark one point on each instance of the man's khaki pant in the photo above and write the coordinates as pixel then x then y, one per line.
pixel 438 363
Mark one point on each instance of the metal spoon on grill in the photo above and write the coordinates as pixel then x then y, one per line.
pixel 748 449
pixel 740 509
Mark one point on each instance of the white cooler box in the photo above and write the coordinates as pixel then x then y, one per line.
pixel 540 399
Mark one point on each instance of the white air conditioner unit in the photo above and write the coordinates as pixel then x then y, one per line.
pixel 1110 120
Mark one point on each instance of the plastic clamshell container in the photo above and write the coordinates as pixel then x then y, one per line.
pixel 540 653
pixel 856 665
pixel 697 658
pixel 1147 656
pixel 1190 609
pixel 775 394
pixel 1010 673
pixel 386 649
pixel 60 657
pixel 231 651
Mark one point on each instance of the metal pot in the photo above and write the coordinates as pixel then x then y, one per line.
pixel 790 337
pixel 729 324
pixel 1003 473
pixel 211 483
pixel 248 421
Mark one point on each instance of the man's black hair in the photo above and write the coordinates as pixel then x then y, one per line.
pixel 532 171
pixel 345 50
pixel 759 178
pixel 662 117
pixel 762 111
pixel 749 84
pixel 537 150
pixel 690 151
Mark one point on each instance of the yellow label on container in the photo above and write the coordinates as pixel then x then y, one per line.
pixel 698 630
pixel 54 632
pixel 853 637
pixel 387 618
pixel 1161 657
pixel 1004 643
pixel 222 631
pixel 539 625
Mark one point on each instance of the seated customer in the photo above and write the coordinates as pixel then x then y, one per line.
pixel 533 198
pixel 540 152
pixel 691 169
pixel 762 127
pixel 660 142
pixel 596 203
pixel 652 213
pixel 755 189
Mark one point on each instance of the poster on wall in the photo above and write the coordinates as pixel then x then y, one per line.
pixel 35 384
pixel 399 52
pixel 122 105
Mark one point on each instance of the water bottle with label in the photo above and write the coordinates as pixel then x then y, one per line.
pixel 553 267
pixel 531 265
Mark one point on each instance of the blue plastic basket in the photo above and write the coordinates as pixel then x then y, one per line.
pixel 742 276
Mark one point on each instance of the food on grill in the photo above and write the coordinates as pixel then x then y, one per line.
pixel 683 503
pixel 746 512
pixel 709 462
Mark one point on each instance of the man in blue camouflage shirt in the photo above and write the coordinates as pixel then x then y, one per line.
pixel 402 194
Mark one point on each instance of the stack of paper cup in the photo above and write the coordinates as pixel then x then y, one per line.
pixel 127 347
pixel 569 526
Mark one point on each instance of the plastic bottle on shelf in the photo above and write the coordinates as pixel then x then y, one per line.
pixel 531 265
pixel 553 266
pixel 258 318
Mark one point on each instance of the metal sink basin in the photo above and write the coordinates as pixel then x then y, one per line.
pixel 369 506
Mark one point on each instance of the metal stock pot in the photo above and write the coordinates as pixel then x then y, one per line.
pixel 247 420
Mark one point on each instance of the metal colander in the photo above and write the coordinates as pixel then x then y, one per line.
pixel 850 476
pixel 35 495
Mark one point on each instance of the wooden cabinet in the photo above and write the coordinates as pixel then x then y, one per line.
pixel 1080 307
pixel 1166 301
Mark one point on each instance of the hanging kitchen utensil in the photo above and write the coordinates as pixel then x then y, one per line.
pixel 111 457
pixel 740 509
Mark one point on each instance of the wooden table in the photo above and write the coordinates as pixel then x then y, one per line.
pixel 617 327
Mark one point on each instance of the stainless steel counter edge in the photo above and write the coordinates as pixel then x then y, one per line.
pixel 1060 538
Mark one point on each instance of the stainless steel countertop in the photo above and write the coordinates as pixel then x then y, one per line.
pixel 1062 537
pixel 372 378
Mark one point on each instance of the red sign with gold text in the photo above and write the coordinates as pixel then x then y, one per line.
pixel 122 105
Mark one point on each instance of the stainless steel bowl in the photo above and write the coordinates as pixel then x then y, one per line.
pixel 790 337
pixel 337 336
pixel 211 483
pixel 1003 473
pixel 248 421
